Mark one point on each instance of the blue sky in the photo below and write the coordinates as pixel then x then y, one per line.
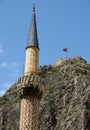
pixel 60 23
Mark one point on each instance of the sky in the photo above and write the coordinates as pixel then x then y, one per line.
pixel 60 23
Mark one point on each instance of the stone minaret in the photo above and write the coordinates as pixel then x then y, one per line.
pixel 30 86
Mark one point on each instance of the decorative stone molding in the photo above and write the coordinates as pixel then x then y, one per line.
pixel 32 85
pixel 29 113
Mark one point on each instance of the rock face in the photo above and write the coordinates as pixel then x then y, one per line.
pixel 66 101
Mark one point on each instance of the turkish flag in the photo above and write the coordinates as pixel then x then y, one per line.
pixel 65 49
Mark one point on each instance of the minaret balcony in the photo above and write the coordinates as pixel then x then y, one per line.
pixel 31 85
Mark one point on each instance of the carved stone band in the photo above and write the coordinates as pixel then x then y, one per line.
pixel 31 85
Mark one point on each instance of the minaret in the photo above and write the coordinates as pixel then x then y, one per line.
pixel 31 86
pixel 32 49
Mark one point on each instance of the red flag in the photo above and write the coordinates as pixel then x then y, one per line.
pixel 64 49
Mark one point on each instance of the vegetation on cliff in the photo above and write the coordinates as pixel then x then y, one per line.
pixel 66 101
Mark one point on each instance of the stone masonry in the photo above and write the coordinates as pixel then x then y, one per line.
pixel 32 57
pixel 30 88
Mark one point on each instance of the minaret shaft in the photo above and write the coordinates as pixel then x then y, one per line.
pixel 29 113
pixel 32 57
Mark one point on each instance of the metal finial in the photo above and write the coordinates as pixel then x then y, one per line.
pixel 33 7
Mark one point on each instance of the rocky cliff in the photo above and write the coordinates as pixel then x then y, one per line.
pixel 66 101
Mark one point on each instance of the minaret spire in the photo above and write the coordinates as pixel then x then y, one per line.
pixel 33 38
pixel 33 8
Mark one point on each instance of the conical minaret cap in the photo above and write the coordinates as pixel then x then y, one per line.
pixel 33 38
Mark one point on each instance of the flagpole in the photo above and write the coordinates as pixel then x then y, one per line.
pixel 67 54
pixel 65 50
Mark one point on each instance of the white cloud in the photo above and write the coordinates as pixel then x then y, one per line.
pixel 1 50
pixel 15 64
pixel 4 64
